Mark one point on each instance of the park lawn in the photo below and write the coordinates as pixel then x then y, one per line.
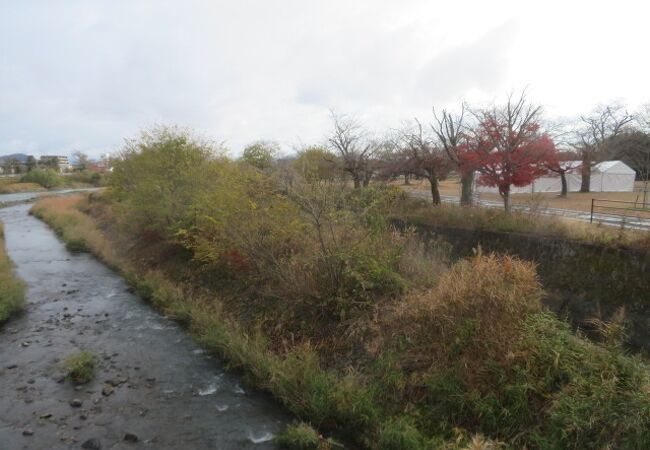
pixel 575 200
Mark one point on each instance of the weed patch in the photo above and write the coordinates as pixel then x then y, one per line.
pixel 80 367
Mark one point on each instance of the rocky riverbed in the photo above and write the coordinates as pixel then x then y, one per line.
pixel 153 386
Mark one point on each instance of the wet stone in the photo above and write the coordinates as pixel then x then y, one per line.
pixel 107 390
pixel 76 403
pixel 28 432
pixel 92 444
pixel 131 437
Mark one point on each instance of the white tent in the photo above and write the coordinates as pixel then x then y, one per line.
pixel 607 176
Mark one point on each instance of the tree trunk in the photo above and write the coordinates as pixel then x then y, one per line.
pixel 505 195
pixel 407 179
pixel 435 192
pixel 565 187
pixel 357 181
pixel 366 181
pixel 586 175
pixel 466 185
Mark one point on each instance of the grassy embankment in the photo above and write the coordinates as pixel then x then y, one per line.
pixel 43 179
pixel 12 289
pixel 359 329
pixel 473 354
pixel 492 219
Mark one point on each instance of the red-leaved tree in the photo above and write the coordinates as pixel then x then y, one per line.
pixel 507 147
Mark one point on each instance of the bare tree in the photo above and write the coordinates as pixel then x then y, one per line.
pixel 355 148
pixel 602 124
pixel 81 160
pixel 422 156
pixel 450 130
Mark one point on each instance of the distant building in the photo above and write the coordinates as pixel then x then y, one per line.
pixel 57 162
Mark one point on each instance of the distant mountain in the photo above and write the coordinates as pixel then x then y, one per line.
pixel 20 157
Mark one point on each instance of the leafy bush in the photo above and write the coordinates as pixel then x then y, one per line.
pixel 157 178
pixel 260 154
pixel 48 178
pixel 93 178
pixel 316 164
pixel 80 367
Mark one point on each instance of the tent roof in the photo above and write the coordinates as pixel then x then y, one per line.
pixel 615 167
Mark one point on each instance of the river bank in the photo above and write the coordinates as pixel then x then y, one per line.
pixel 152 382
pixel 411 392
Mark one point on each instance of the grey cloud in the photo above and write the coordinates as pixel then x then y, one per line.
pixel 480 64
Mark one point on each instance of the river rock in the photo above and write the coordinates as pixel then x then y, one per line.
pixel 107 390
pixel 92 444
pixel 28 432
pixel 76 403
pixel 131 437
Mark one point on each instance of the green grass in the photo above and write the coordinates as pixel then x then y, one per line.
pixel 80 367
pixel 299 436
pixel 12 289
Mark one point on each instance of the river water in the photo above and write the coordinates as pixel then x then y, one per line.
pixel 161 387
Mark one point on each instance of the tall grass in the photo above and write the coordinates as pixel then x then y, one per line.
pixel 492 219
pixel 12 289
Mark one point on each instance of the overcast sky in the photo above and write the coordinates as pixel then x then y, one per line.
pixel 85 74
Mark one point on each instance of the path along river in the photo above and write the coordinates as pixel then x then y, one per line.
pixel 161 387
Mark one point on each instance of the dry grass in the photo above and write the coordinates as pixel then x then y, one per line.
pixel 20 187
pixel 493 219
pixel 478 305
pixel 77 229
pixel 12 289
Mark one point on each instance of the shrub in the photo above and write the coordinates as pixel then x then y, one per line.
pixel 48 178
pixel 473 315
pixel 93 178
pixel 299 436
pixel 80 367
pixel 157 178
pixel 260 154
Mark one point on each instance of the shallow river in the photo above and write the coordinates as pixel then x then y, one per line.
pixel 161 387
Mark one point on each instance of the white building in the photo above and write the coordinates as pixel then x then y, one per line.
pixel 607 176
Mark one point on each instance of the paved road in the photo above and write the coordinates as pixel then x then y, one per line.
pixel 160 385
pixel 604 219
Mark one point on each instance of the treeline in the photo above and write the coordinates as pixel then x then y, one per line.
pixel 358 328
pixel 505 145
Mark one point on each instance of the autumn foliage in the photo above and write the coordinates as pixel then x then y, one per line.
pixel 507 147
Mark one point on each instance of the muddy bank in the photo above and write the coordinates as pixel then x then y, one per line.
pixel 158 385
pixel 582 281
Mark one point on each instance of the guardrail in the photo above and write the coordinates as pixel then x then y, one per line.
pixel 626 210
